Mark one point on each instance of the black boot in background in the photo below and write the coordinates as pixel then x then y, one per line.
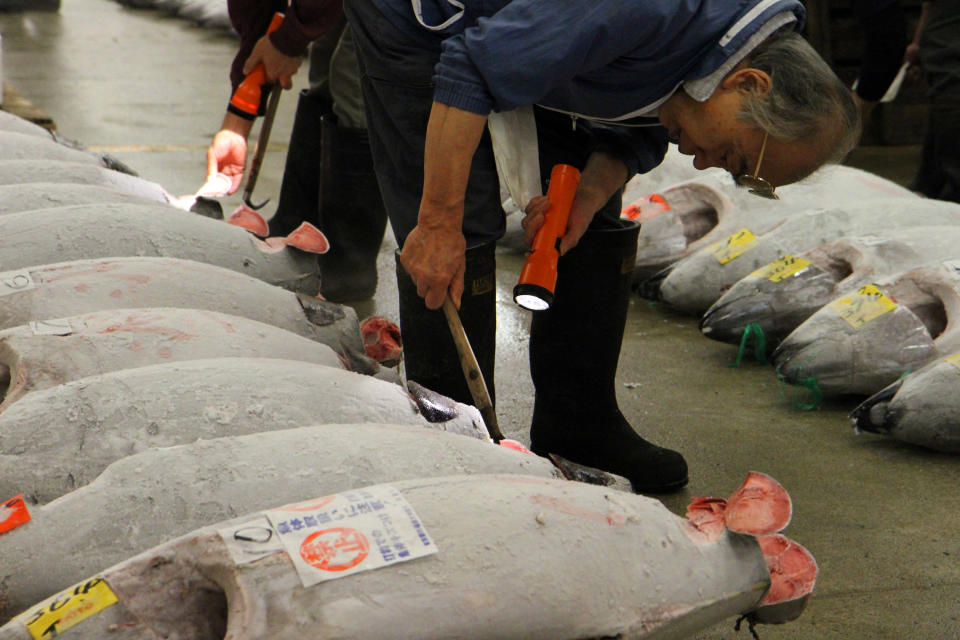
pixel 352 215
pixel 574 350
pixel 301 174
pixel 429 354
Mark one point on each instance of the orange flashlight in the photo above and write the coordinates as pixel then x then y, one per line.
pixel 538 278
pixel 247 96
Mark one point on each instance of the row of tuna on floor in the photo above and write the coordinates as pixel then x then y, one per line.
pixel 849 281
pixel 211 14
pixel 170 380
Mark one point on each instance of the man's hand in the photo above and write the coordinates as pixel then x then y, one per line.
pixel 227 154
pixel 600 179
pixel 434 259
pixel 278 67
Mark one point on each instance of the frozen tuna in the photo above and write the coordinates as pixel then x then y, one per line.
pixel 697 281
pixel 450 557
pixel 146 499
pixel 28 146
pixel 866 339
pixel 709 210
pixel 49 171
pixel 55 440
pixel 12 123
pixel 921 408
pixel 154 230
pixel 70 288
pixel 48 353
pixel 47 195
pixel 780 295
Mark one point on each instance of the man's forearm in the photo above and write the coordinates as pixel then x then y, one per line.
pixel 452 138
pixel 236 124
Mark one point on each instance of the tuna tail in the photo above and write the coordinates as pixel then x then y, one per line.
pixel 872 414
pixel 650 288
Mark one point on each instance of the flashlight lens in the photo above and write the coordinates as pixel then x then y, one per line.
pixel 531 302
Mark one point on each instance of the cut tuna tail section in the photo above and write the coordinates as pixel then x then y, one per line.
pixel 248 219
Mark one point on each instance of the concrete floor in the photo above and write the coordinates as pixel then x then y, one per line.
pixel 881 517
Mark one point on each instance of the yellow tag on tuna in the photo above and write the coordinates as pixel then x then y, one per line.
pixel 954 360
pixel 74 605
pixel 863 306
pixel 726 250
pixel 781 269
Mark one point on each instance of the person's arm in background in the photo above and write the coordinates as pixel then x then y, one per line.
pixel 280 52
pixel 912 54
pixel 885 41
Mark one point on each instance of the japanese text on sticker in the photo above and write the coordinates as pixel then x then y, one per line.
pixel 863 306
pixel 349 532
pixel 735 245
pixel 780 270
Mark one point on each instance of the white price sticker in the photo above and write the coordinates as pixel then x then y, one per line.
pixel 346 533
pixel 51 328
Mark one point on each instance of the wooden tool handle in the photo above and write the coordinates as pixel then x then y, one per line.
pixel 471 370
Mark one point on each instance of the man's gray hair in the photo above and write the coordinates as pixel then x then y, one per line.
pixel 806 101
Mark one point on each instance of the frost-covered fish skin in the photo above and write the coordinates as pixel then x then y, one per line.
pixel 32 196
pixel 46 354
pixel 640 574
pixel 115 229
pixel 69 288
pixel 27 171
pixel 784 293
pixel 921 408
pixel 866 339
pixel 13 123
pixel 697 281
pixel 708 210
pixel 27 146
pixel 55 440
pixel 149 498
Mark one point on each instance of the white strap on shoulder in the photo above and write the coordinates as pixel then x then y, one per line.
pixel 418 12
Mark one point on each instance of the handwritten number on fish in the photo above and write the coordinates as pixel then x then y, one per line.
pixel 865 305
pixel 15 282
pixel 75 605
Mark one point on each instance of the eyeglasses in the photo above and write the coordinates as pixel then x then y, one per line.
pixel 755 183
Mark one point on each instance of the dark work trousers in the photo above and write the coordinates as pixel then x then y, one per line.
pixel 396 75
pixel 938 175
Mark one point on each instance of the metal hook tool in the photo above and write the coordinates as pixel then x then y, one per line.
pixel 261 149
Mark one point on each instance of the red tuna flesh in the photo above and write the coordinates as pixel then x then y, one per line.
pixel 381 340
pixel 250 220
pixel 760 506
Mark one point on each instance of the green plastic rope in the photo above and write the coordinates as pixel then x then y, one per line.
pixel 754 331
pixel 816 396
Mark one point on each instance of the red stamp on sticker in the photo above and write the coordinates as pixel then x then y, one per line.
pixel 336 549
pixel 13 513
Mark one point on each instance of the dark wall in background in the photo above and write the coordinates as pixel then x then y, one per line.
pixel 834 31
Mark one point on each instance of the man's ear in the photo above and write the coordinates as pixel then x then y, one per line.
pixel 748 80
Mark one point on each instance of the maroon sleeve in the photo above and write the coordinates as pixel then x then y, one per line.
pixel 304 21
pixel 250 19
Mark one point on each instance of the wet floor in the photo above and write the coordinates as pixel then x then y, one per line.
pixel 881 517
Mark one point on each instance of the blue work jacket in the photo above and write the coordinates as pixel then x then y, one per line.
pixel 613 61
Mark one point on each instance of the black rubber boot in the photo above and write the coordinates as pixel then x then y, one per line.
pixel 574 350
pixel 352 215
pixel 301 174
pixel 429 354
